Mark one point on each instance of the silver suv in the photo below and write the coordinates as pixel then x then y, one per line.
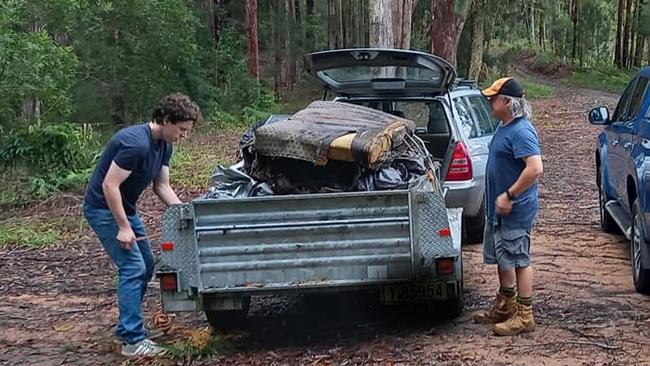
pixel 451 115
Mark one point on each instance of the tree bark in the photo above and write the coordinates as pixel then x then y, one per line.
pixel 309 34
pixel 218 23
pixel 355 39
pixel 289 46
pixel 340 41
pixel 381 24
pixel 335 13
pixel 251 38
pixel 620 21
pixel 575 13
pixel 446 27
pixel 542 33
pixel 477 20
pixel 277 49
pixel 532 21
pixel 402 13
pixel 364 10
pixel 640 38
pixel 627 32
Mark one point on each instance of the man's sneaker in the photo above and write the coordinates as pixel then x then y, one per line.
pixel 144 348
pixel 522 322
pixel 503 308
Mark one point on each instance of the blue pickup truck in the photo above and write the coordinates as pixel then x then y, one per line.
pixel 623 172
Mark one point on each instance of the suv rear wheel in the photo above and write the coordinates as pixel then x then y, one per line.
pixel 474 226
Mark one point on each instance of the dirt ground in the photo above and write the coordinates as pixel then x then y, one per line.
pixel 58 305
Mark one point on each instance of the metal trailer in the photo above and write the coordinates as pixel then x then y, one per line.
pixel 402 244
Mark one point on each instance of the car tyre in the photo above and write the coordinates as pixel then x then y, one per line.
pixel 639 252
pixel 474 227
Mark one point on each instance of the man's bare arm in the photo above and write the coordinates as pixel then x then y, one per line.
pixel 163 189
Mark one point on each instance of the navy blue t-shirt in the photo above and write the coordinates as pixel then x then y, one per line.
pixel 132 148
pixel 510 144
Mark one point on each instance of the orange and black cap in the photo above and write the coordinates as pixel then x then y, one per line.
pixel 505 86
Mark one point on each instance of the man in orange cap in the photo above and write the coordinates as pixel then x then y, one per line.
pixel 513 168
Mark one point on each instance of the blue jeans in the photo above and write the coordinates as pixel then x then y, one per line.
pixel 134 269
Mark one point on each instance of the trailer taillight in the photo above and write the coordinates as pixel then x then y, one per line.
pixel 445 266
pixel 168 282
pixel 167 246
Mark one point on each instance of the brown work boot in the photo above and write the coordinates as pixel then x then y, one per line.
pixel 502 310
pixel 522 322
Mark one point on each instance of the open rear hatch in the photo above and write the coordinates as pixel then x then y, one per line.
pixel 381 72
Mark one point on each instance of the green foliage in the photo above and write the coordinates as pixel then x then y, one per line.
pixel 536 90
pixel 193 162
pixel 55 157
pixel 32 65
pixel 607 78
pixel 239 98
pixel 645 19
pixel 136 51
pixel 30 235
pixel 201 344
pixel 594 31
pixel 48 149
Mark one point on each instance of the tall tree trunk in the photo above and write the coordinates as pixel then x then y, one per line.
pixel 626 33
pixel 620 22
pixel 632 37
pixel 251 38
pixel 296 6
pixel 331 13
pixel 488 35
pixel 381 24
pixel 402 13
pixel 340 41
pixel 542 33
pixel 355 39
pixel 289 46
pixel 276 34
pixel 532 22
pixel 348 20
pixel 364 9
pixel 477 22
pixel 218 23
pixel 309 33
pixel 575 13
pixel 446 26
pixel 32 107
pixel 335 26
pixel 118 109
pixel 640 38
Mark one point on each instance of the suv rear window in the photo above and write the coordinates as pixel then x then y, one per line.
pixel 365 73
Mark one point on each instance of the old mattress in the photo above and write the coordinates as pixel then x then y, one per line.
pixel 333 131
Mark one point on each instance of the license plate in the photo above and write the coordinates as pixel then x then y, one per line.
pixel 415 292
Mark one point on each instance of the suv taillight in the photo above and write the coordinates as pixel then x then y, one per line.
pixel 461 164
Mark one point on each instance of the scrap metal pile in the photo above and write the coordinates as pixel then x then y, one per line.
pixel 326 147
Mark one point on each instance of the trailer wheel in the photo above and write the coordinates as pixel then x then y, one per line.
pixel 452 308
pixel 228 319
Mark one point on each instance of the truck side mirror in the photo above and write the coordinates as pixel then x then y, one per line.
pixel 599 116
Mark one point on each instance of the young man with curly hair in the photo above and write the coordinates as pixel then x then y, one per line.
pixel 135 157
